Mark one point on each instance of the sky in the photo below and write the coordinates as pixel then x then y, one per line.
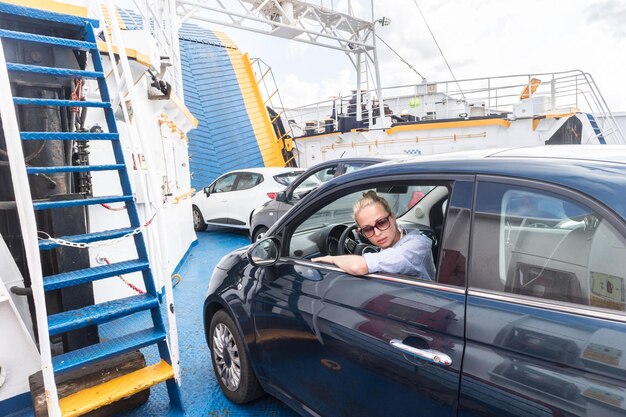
pixel 479 39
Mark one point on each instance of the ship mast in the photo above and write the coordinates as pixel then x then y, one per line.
pixel 302 22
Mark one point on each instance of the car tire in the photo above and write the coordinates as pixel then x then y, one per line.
pixel 258 233
pixel 231 364
pixel 198 220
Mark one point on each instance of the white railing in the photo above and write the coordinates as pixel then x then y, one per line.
pixel 28 228
pixel 159 18
pixel 557 92
pixel 148 188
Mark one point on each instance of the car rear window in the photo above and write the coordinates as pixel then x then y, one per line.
pixel 286 178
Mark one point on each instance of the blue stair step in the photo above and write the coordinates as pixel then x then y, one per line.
pixel 68 136
pixel 596 128
pixel 47 16
pixel 45 205
pixel 100 313
pixel 50 40
pixel 62 72
pixel 74 168
pixel 64 103
pixel 105 350
pixel 82 276
pixel 87 238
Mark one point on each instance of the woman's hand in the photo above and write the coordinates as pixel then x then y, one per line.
pixel 324 259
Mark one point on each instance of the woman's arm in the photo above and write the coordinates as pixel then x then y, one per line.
pixel 352 264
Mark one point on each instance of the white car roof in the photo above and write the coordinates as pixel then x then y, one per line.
pixel 607 153
pixel 269 170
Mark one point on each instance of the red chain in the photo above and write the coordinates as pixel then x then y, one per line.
pixel 134 287
pixel 77 94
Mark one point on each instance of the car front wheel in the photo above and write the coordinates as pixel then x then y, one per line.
pixel 230 361
pixel 258 233
pixel 198 220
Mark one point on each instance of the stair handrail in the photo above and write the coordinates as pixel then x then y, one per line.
pixel 272 91
pixel 152 238
pixel 28 226
pixel 605 112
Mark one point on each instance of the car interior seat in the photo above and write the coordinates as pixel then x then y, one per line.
pixel 560 274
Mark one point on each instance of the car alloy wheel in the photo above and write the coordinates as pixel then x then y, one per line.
pixel 198 220
pixel 226 357
pixel 231 364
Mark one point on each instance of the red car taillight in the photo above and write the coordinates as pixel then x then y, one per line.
pixel 272 195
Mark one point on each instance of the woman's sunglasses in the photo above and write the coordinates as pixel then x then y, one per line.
pixel 381 224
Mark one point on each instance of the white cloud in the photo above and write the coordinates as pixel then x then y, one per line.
pixel 610 15
pixel 296 92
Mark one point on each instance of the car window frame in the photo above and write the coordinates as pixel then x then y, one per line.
pixel 286 173
pixel 239 175
pixel 212 186
pixel 302 178
pixel 614 219
pixel 283 230
pixel 344 167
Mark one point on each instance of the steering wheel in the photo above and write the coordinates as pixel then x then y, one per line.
pixel 352 243
pixel 535 224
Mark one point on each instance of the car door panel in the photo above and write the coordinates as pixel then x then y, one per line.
pixel 546 323
pixel 548 363
pixel 287 342
pixel 357 330
pixel 214 207
pixel 346 333
pixel 249 193
pixel 310 323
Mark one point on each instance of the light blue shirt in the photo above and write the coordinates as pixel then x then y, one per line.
pixel 411 255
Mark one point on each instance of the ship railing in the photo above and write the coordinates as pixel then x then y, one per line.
pixel 272 99
pixel 161 20
pixel 511 96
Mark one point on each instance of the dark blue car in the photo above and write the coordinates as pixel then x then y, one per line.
pixel 526 316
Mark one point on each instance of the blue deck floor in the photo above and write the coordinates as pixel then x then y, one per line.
pixel 201 393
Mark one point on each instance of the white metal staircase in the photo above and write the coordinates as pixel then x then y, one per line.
pixel 121 387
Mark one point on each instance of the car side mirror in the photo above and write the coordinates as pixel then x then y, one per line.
pixel 281 196
pixel 265 252
pixel 206 191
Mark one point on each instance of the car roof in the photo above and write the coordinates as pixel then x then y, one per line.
pixel 372 159
pixel 268 170
pixel 605 153
pixel 596 170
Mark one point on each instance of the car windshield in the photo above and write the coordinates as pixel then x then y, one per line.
pixel 287 178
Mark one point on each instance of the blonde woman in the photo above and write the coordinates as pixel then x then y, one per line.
pixel 402 253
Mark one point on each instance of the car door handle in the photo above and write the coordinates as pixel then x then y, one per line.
pixel 429 355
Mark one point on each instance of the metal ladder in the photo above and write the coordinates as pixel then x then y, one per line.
pixel 91 398
pixel 596 129
pixel 266 83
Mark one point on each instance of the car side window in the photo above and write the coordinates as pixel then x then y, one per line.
pixel 314 180
pixel 351 167
pixel 327 229
pixel 541 244
pixel 247 180
pixel 224 184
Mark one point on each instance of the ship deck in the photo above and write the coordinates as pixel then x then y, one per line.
pixel 201 392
